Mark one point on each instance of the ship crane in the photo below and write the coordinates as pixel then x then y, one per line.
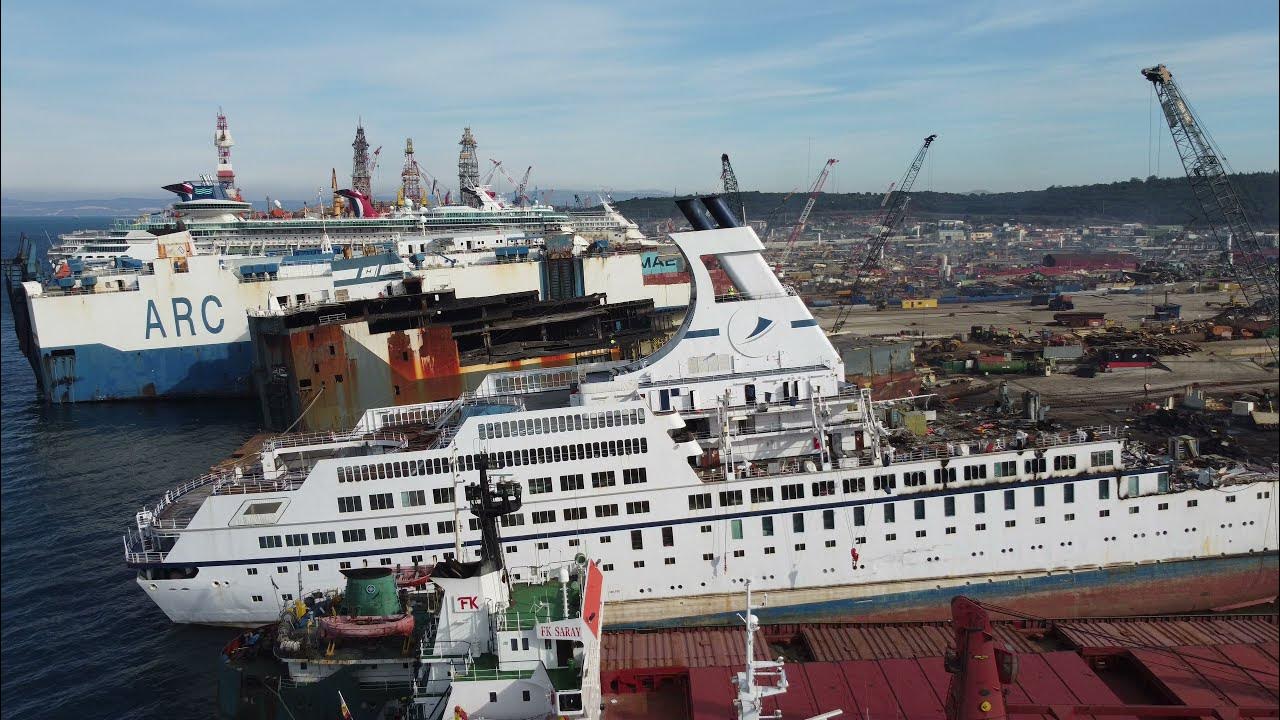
pixel 730 181
pixel 894 207
pixel 814 192
pixel 1223 212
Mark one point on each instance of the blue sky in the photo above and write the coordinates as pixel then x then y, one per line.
pixel 109 99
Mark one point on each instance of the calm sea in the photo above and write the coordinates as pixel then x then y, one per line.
pixel 79 638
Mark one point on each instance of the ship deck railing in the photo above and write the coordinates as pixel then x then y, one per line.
pixel 248 484
pixel 380 437
pixel 967 448
pixel 172 513
pixel 433 650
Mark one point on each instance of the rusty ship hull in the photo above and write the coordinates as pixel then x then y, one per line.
pixel 321 368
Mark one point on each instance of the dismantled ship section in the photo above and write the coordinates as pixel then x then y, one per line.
pixel 321 366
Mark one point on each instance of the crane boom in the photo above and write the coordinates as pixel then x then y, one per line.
pixel 814 192
pixel 521 198
pixel 730 181
pixel 895 208
pixel 1223 212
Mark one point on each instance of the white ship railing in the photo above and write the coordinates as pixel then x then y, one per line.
pixel 327 438
pixel 966 448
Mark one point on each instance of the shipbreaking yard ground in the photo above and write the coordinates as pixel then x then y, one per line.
pixel 945 320
pixel 1221 368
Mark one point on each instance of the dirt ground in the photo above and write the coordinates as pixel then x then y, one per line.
pixel 1223 369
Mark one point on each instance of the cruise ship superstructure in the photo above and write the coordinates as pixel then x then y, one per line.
pixel 736 451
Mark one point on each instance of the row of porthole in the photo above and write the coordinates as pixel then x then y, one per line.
pixel 935 558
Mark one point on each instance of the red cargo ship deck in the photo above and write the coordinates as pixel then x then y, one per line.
pixel 1221 666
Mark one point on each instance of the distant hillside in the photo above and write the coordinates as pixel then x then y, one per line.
pixel 1155 201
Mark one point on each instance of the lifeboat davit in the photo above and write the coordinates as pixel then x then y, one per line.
pixel 366 626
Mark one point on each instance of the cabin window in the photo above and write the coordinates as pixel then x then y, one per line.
pixel 859 516
pixel 668 537
pixel 919 509
pixel 1069 493
pixel 730 497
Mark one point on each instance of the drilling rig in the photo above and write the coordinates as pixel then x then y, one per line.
pixel 894 210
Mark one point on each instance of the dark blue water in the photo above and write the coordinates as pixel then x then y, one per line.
pixel 79 638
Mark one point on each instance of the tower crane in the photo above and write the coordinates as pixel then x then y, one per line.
pixel 730 181
pixel 1223 212
pixel 814 192
pixel 894 207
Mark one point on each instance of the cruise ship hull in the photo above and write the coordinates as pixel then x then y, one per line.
pixel 1129 589
pixel 1155 588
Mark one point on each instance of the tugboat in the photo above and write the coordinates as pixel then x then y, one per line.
pixel 506 651
pixel 458 640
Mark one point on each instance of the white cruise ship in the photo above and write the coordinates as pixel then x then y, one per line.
pixel 220 224
pixel 736 451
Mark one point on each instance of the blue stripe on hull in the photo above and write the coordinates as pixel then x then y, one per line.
pixel 99 372
pixel 1064 586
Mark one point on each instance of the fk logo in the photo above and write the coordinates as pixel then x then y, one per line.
pixel 468 603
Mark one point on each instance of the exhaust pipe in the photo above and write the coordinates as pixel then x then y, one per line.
pixel 719 210
pixel 695 214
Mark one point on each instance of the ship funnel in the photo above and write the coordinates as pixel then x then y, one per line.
pixel 695 214
pixel 719 210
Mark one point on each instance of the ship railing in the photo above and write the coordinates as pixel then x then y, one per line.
pixel 247 484
pixel 172 495
pixel 137 549
pixel 981 446
pixel 416 414
pixel 445 650
pixel 328 438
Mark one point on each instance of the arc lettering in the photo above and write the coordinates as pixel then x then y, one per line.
pixel 183 316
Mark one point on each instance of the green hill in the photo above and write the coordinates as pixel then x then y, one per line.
pixel 1154 201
